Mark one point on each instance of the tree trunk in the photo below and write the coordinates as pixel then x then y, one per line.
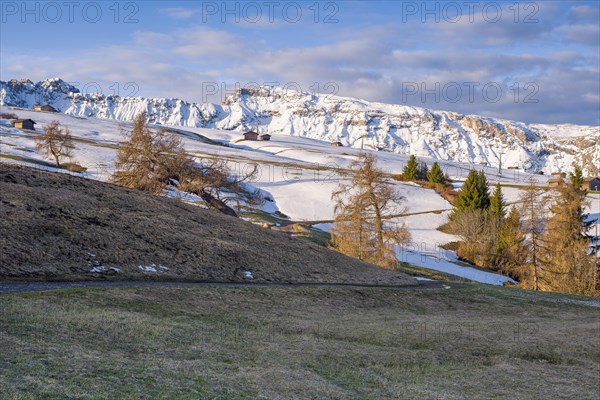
pixel 217 204
pixel 378 223
pixel 534 249
pixel 56 157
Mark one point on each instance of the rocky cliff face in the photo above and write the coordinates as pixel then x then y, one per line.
pixel 406 130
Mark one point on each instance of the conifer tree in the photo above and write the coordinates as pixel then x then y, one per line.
pixel 473 194
pixel 576 177
pixel 363 210
pixel 351 233
pixel 436 175
pixel 497 202
pixel 152 160
pixel 411 169
pixel 483 190
pixel 149 159
pixel 511 248
pixel 568 265
pixel 532 210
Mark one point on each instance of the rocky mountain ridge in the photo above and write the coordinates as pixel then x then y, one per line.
pixel 441 135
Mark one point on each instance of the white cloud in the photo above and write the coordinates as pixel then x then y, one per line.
pixel 180 12
pixel 201 43
pixel 586 33
pixel 579 13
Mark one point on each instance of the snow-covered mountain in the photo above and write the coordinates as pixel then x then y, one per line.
pixel 441 135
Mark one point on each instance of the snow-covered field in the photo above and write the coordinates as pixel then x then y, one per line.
pixel 298 173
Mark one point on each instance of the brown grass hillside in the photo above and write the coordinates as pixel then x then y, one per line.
pixel 57 226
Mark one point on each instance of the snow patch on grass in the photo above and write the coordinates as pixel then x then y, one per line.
pixel 448 267
pixel 325 227
pixel 153 268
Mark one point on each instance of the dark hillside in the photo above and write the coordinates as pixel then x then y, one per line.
pixel 57 226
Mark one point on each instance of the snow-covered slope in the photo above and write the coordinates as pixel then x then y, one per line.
pixel 296 174
pixel 401 129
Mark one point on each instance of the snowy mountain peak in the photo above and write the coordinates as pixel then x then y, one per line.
pixel 49 85
pixel 441 135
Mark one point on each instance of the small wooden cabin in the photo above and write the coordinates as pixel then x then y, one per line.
pixel 24 124
pixel 265 137
pixel 337 144
pixel 250 135
pixel 45 107
pixel 591 184
pixel 554 182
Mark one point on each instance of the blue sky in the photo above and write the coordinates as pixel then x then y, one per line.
pixel 528 61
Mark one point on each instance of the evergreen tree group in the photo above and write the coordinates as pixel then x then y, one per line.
pixel 542 242
pixel 480 219
pixel 415 170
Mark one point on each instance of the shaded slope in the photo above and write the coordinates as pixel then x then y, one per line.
pixel 59 226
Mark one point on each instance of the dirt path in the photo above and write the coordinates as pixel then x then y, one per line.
pixel 9 287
